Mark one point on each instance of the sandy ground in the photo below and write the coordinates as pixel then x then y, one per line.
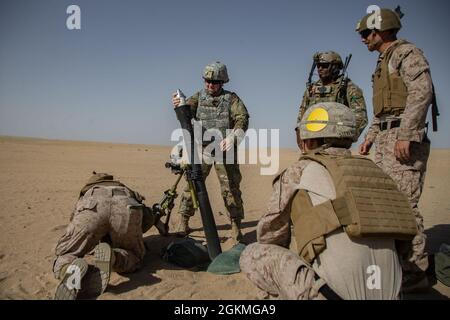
pixel 39 183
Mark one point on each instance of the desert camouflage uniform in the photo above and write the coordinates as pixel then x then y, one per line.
pixel 410 176
pixel 104 211
pixel 354 99
pixel 281 272
pixel 229 174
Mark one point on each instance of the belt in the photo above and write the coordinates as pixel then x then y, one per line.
pixel 327 292
pixel 386 125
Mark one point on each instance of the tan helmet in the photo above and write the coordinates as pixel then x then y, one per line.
pixel 327 120
pixel 389 21
pixel 216 71
pixel 99 177
pixel 328 57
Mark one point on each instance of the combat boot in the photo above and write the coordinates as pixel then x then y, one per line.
pixel 104 261
pixel 71 276
pixel 236 229
pixel 183 228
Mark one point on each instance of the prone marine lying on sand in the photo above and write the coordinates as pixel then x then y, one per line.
pixel 110 218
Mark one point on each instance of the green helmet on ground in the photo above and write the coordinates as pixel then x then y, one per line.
pixel 328 57
pixel 327 120
pixel 389 21
pixel 216 71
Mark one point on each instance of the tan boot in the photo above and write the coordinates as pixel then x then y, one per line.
pixel 183 228
pixel 236 229
pixel 104 261
pixel 71 276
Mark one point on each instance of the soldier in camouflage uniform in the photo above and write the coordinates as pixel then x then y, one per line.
pixel 402 93
pixel 221 110
pixel 110 218
pixel 305 199
pixel 331 88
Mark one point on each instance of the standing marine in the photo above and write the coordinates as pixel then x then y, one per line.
pixel 402 94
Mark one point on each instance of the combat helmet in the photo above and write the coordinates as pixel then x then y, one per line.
pixel 328 57
pixel 216 71
pixel 327 120
pixel 389 20
pixel 99 177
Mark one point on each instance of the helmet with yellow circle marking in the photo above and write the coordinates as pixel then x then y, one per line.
pixel 327 120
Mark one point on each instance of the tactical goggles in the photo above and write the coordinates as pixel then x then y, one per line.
pixel 213 81
pixel 365 33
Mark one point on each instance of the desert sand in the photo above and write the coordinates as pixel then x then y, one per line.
pixel 40 181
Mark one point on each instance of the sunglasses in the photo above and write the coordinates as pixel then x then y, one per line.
pixel 213 81
pixel 366 33
pixel 323 65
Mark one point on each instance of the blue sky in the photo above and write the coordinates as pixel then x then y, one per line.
pixel 112 80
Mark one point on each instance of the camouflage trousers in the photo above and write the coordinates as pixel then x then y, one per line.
pixel 410 178
pixel 104 212
pixel 230 178
pixel 280 272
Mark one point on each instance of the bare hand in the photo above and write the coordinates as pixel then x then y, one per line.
pixel 175 100
pixel 401 150
pixel 364 148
